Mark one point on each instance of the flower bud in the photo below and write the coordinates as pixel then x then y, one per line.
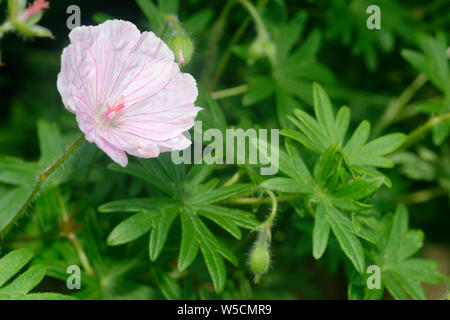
pixel 24 19
pixel 259 261
pixel 261 48
pixel 182 47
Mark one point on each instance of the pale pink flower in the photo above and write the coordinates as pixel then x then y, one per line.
pixel 126 91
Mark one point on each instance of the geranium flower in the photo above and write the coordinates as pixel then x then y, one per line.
pixel 126 91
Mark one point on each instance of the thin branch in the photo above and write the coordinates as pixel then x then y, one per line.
pixel 283 198
pixel 398 104
pixel 230 92
pixel 43 176
pixel 420 132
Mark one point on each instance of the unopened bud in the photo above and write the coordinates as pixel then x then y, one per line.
pixel 182 47
pixel 24 19
pixel 262 48
pixel 259 261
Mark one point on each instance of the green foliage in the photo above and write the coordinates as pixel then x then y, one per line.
pixel 188 197
pixel 19 288
pixel 21 174
pixel 157 230
pixel 400 273
pixel 434 63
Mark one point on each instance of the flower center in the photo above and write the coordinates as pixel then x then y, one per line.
pixel 107 118
pixel 113 112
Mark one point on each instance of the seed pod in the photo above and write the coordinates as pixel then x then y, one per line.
pixel 182 47
pixel 259 261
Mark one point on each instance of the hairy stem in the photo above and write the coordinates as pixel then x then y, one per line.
pixel 43 176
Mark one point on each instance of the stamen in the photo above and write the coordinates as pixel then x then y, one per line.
pixel 111 113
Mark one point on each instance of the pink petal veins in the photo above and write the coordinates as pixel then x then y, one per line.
pixel 126 91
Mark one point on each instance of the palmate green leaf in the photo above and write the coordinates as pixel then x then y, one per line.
pixel 402 274
pixel 347 25
pixel 434 63
pixel 191 199
pixel 286 33
pixel 319 134
pixel 296 67
pixel 20 287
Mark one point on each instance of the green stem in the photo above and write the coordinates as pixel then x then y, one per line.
pixel 73 237
pixel 420 132
pixel 422 196
pixel 227 54
pixel 283 198
pixel 43 176
pixel 398 104
pixel 213 44
pixel 273 212
pixel 260 26
pixel 221 94
pixel 176 24
pixel 233 179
